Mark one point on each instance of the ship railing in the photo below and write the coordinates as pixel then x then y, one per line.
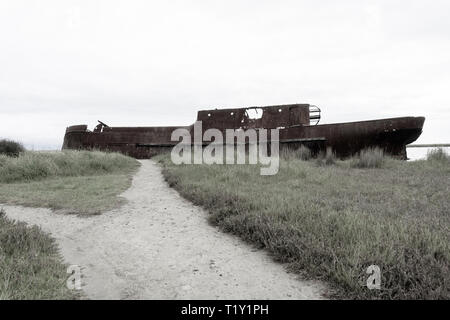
pixel 314 115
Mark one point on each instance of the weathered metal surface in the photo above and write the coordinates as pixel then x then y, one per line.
pixel 293 121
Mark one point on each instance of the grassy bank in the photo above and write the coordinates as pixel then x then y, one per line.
pixel 77 181
pixel 30 265
pixel 332 219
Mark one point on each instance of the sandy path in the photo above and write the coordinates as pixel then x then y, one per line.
pixel 160 246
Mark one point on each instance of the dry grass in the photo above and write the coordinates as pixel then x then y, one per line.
pixel 302 153
pixel 332 222
pixel 370 158
pixel 438 154
pixel 327 159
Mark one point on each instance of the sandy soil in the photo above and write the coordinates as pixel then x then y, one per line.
pixel 160 246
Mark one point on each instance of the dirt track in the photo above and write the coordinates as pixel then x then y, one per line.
pixel 160 246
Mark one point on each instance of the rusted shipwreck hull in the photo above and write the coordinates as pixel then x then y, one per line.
pixel 297 124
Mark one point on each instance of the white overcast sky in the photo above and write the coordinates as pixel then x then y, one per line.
pixel 131 63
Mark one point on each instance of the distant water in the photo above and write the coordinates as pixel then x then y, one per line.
pixel 42 147
pixel 412 153
pixel 421 153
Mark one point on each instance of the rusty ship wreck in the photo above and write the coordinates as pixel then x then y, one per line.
pixel 297 124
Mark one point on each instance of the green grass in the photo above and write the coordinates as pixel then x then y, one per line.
pixel 81 182
pixel 331 222
pixel 30 265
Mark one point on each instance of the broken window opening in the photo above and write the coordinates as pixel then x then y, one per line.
pixel 254 113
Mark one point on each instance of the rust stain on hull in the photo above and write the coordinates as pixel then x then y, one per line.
pixel 297 124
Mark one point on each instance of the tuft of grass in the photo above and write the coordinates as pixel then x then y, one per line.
pixel 30 264
pixel 333 222
pixel 328 159
pixel 10 148
pixel 438 154
pixel 369 158
pixel 84 182
pixel 302 153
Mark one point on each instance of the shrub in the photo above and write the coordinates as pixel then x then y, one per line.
pixel 370 158
pixel 10 148
pixel 437 154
